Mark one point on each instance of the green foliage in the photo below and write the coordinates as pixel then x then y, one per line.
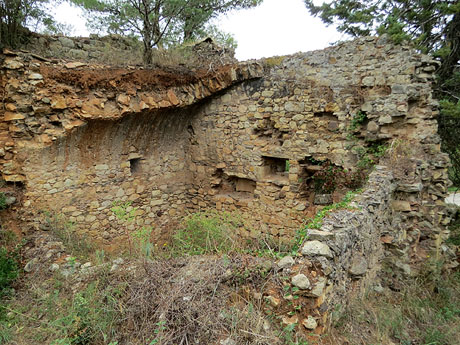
pixel 63 229
pixel 317 221
pixel 142 242
pixel 209 232
pixel 287 166
pixel 86 318
pixel 449 125
pixel 6 334
pixel 3 204
pixel 331 176
pixel 367 155
pixel 123 210
pixel 161 23
pixel 17 15
pixel 432 26
pixel 290 337
pixel 356 121
pixel 454 228
pixel 9 268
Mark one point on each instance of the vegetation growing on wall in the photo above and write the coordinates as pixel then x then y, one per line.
pixel 432 26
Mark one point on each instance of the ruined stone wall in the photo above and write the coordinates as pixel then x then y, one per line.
pixel 78 139
pixel 81 137
pixel 262 141
pixel 111 49
pixel 141 160
pixel 81 140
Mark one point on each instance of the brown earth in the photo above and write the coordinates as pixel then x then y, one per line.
pixel 124 79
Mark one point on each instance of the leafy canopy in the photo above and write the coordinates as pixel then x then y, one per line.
pixel 17 15
pixel 159 22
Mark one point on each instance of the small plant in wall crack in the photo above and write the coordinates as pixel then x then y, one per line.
pixel 356 121
pixel 317 221
pixel 368 155
pixel 123 210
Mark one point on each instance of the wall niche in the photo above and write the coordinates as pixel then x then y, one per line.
pixel 275 167
pixel 236 186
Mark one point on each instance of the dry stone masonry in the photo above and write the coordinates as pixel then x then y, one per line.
pixel 248 138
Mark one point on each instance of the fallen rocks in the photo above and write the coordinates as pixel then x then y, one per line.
pixel 285 262
pixel 301 281
pixel 316 248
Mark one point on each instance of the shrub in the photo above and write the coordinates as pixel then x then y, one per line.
pixel 3 204
pixel 206 233
pixel 9 268
pixel 63 229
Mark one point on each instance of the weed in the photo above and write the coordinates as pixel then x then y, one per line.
pixel 206 233
pixel 63 229
pixel 3 204
pixel 9 268
pixel 426 310
pixel 454 237
pixel 123 210
pixel 317 221
pixel 160 327
pixel 290 337
pixel 100 256
pixel 287 166
pixel 6 333
pixel 88 317
pixel 142 242
pixel 8 238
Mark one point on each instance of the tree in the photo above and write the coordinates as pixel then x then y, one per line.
pixel 17 15
pixel 432 25
pixel 159 22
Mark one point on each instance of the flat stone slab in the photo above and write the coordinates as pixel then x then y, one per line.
pixel 316 248
pixel 453 198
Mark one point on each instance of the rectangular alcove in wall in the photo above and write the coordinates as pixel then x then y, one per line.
pixel 135 166
pixel 234 185
pixel 275 167
pixel 244 185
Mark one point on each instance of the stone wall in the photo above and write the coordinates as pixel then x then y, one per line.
pixel 300 114
pixel 80 137
pixel 342 257
pixel 112 49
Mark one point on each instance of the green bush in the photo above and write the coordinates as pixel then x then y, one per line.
pixel 208 232
pixel 9 268
pixel 87 318
pixel 3 204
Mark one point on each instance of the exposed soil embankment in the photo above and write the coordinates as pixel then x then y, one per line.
pixel 124 79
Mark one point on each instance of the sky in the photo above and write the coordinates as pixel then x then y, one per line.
pixel 277 27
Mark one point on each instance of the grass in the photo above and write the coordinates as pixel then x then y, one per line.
pixel 3 204
pixel 317 221
pixel 205 233
pixel 454 228
pixel 208 297
pixel 79 246
pixel 55 315
pixel 425 311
